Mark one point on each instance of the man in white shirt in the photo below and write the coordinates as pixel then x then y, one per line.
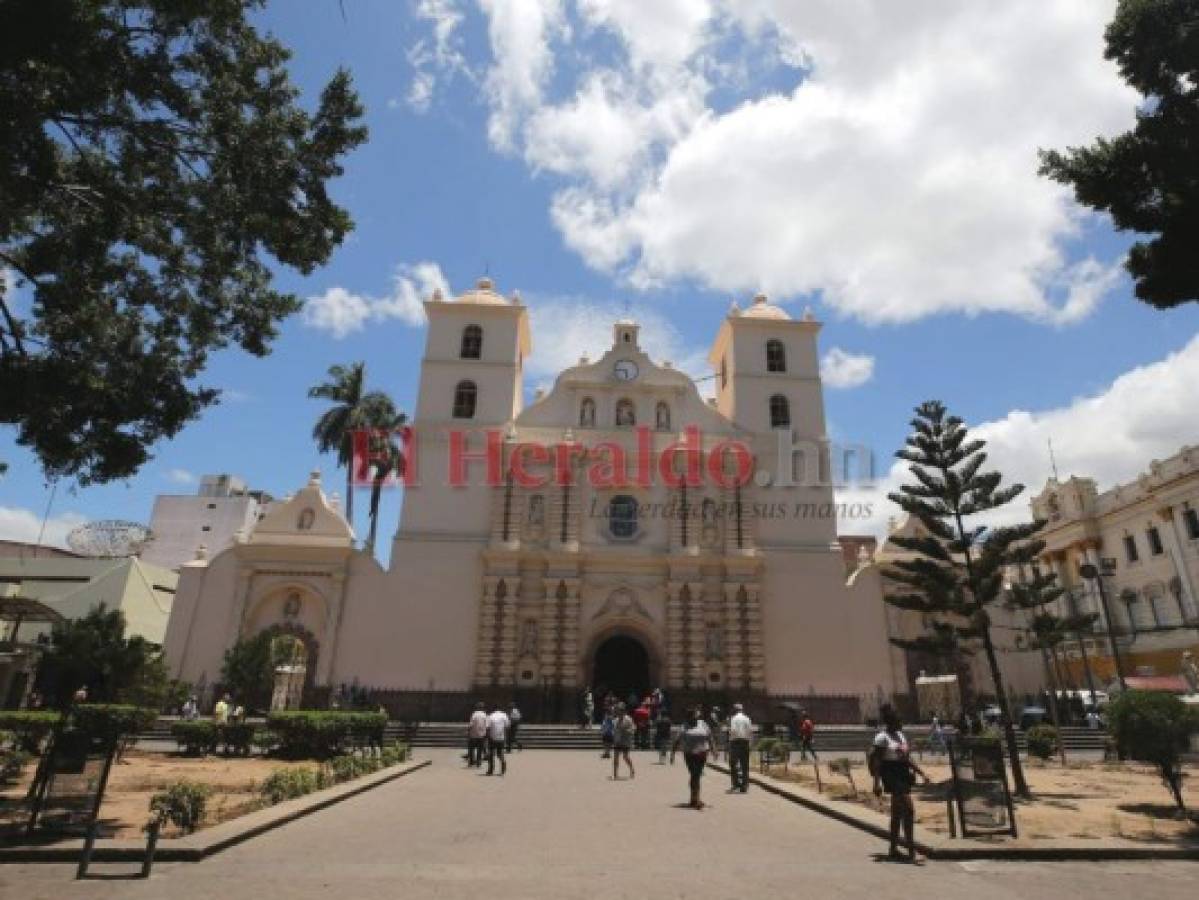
pixel 476 736
pixel 497 735
pixel 741 734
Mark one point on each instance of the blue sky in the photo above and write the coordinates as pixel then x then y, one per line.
pixel 879 168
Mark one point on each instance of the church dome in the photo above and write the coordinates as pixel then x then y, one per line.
pixel 761 308
pixel 484 292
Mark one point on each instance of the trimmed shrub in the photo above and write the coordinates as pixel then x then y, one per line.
pixel 320 734
pixel 287 784
pixel 195 737
pixel 1042 741
pixel 29 727
pixel 12 763
pixel 1154 727
pixel 113 721
pixel 394 754
pixel 264 741
pixel 182 804
pixel 236 737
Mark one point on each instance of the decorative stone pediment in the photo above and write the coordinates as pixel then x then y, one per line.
pixel 622 603
pixel 306 519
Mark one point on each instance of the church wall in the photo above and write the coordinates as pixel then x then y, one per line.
pixel 199 627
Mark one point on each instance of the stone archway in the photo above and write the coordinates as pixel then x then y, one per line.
pixel 295 668
pixel 622 660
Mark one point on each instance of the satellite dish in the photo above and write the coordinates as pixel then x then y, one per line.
pixel 109 539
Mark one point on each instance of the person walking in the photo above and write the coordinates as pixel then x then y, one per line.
pixel 662 730
pixel 807 730
pixel 588 710
pixel 220 712
pixel 476 737
pixel 936 736
pixel 741 734
pixel 514 718
pixel 607 731
pixel 696 741
pixel 623 729
pixel 893 769
pixel 716 724
pixel 191 709
pixel 498 724
pixel 641 719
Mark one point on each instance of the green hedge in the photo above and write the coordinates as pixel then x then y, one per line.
pixel 287 784
pixel 320 734
pixel 1042 741
pixel 29 727
pixel 113 720
pixel 198 737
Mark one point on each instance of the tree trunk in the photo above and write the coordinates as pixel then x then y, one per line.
pixel 350 495
pixel 1009 730
pixel 376 489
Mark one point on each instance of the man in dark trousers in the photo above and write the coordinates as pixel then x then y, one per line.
pixel 476 736
pixel 741 735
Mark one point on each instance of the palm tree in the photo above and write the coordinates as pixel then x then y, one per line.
pixel 387 458
pixel 354 409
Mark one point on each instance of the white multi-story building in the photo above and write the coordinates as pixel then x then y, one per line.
pixel 1144 537
pixel 182 524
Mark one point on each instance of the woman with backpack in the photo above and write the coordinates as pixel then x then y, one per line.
pixel 894 771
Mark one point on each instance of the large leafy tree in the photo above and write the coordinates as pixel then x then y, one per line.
pixel 93 652
pixel 248 670
pixel 354 409
pixel 1147 179
pixel 154 166
pixel 957 571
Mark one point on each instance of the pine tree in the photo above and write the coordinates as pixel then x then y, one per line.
pixel 958 572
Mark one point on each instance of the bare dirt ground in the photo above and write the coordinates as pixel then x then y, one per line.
pixel 1089 800
pixel 140 775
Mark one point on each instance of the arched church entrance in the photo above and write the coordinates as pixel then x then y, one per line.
pixel 622 666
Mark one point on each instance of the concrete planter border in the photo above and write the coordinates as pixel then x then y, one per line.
pixel 937 847
pixel 202 844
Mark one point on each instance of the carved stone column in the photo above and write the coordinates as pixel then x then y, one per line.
pixel 245 580
pixel 754 653
pixel 1188 607
pixel 568 661
pixel 696 624
pixel 485 658
pixel 734 643
pixel 506 601
pixel 676 642
pixel 549 647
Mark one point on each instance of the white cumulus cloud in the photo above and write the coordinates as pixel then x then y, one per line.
pixel 880 155
pixel 340 312
pixel 840 369
pixel 19 524
pixel 180 476
pixel 1111 435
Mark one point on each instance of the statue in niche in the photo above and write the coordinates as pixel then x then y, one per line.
pixel 662 417
pixel 307 517
pixel 536 511
pixel 291 606
pixel 587 413
pixel 708 521
pixel 713 643
pixel 528 638
pixel 625 416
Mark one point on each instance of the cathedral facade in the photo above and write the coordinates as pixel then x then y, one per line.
pixel 619 532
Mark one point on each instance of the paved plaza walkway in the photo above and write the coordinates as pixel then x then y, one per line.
pixel 556 826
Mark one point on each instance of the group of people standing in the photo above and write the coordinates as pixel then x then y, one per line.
pixel 492 735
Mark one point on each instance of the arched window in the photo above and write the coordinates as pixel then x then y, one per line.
pixel 776 356
pixel 662 416
pixel 780 412
pixel 472 342
pixel 465 396
pixel 622 516
pixel 587 413
pixel 626 415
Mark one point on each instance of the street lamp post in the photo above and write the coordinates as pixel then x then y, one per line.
pixel 1091 572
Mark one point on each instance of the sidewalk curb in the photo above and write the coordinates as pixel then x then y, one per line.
pixel 943 848
pixel 202 844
